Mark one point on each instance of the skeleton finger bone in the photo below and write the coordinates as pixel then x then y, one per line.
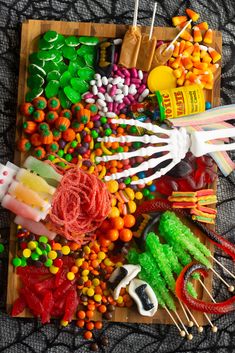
pixel 143 139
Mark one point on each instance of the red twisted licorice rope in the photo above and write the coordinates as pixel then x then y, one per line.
pixel 162 205
pixel 79 206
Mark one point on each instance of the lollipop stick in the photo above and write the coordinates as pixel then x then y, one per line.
pixel 182 333
pixel 178 35
pixel 199 328
pixel 203 285
pixel 135 13
pixel 190 322
pixel 153 20
pixel 225 269
pixel 213 327
pixel 230 288
pixel 189 335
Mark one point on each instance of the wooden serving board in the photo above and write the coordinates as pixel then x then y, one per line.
pixel 31 30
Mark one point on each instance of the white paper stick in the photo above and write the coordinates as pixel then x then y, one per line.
pixel 175 39
pixel 135 13
pixel 153 20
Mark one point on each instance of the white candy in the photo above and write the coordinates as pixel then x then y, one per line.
pixel 120 85
pixel 109 87
pixel 132 89
pixel 110 79
pixel 125 90
pixel 104 80
pixel 101 102
pixel 101 113
pixel 117 80
pixel 118 91
pixel 140 74
pixel 85 94
pixel 92 82
pixel 118 98
pixel 97 76
pixel 105 109
pixel 117 41
pixel 108 98
pixel 101 96
pixel 98 83
pixel 94 90
pixel 111 115
pixel 90 100
pixel 145 93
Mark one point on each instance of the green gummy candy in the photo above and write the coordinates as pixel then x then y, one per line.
pixel 89 59
pixel 36 70
pixel 64 101
pixel 46 55
pixel 16 262
pixel 59 42
pixel 65 79
pixel 50 66
pixel 69 52
pixel 133 257
pixel 35 81
pixel 33 59
pixel 44 45
pixel 50 36
pixel 34 93
pixel 53 75
pixel 62 67
pixel 72 41
pixel 86 73
pixel 58 57
pixel 72 95
pixel 84 50
pixel 79 85
pixel 52 88
pixel 191 290
pixel 88 40
pixel 74 66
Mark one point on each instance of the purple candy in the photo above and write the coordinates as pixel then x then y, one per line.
pixel 97 123
pixel 95 117
pixel 62 143
pixel 106 126
pixel 135 81
pixel 126 72
pixel 85 145
pixel 83 133
pixel 110 106
pixel 113 90
pixel 101 89
pixel 87 163
pixel 127 81
pixel 126 100
pixel 141 89
pixel 134 73
pixel 81 150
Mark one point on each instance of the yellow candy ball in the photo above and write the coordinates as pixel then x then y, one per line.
pixel 78 262
pixel 70 276
pixel 26 253
pixel 90 292
pixel 95 282
pixel 64 323
pixel 112 186
pixel 131 206
pixel 120 300
pixel 84 290
pixel 65 250
pixel 52 255
pixel 138 195
pixel 86 250
pixel 101 255
pixel 97 297
pixel 85 272
pixel 135 178
pixel 113 202
pixel 53 269
pixel 114 212
pixel 32 245
pixel 108 262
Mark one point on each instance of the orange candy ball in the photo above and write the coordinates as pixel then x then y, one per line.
pixel 118 223
pixel 112 234
pixel 87 335
pixel 129 221
pixel 125 235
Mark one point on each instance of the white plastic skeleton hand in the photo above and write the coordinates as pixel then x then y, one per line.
pixel 173 143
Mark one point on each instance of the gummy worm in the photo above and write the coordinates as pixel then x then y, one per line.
pixel 196 304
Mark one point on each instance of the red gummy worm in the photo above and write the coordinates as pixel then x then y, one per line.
pixel 196 304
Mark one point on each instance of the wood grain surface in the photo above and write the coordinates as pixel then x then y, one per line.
pixel 31 31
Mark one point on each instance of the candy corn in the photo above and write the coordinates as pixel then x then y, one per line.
pixel 177 20
pixel 207 58
pixel 187 63
pixel 181 25
pixel 178 72
pixel 187 52
pixel 181 80
pixel 176 63
pixel 196 50
pixel 192 14
pixel 201 66
pixel 197 35
pixel 186 36
pixel 176 49
pixel 208 37
pixel 182 45
pixel 203 26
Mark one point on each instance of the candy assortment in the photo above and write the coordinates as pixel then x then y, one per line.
pixel 107 125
